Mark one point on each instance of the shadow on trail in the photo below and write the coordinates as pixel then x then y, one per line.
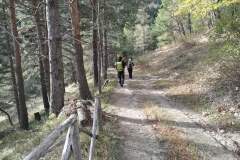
pixel 135 148
pixel 169 122
pixel 132 120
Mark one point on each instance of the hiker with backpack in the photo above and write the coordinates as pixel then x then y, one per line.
pixel 130 67
pixel 120 69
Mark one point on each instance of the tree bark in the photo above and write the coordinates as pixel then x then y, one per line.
pixel 20 81
pixel 42 57
pixel 55 57
pixel 14 82
pixel 189 23
pixel 95 43
pixel 84 116
pixel 81 74
pixel 73 73
pixel 105 59
pixel 181 27
pixel 45 52
pixel 99 49
pixel 43 86
pixel 105 55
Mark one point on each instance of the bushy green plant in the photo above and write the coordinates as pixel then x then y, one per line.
pixel 227 27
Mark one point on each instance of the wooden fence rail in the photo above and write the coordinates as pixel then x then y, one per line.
pixel 72 138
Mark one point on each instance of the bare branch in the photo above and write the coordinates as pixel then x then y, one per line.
pixel 9 118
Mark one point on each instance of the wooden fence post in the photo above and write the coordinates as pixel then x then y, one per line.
pixel 100 125
pixel 67 145
pixel 76 146
pixel 95 119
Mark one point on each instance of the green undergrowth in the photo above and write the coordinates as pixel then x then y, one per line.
pixel 105 146
pixel 107 91
pixel 17 144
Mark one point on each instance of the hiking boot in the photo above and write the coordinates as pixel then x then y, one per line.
pixel 121 85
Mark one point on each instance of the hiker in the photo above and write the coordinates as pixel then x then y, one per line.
pixel 115 63
pixel 120 69
pixel 130 67
pixel 115 66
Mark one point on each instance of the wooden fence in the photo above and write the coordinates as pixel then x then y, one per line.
pixel 72 142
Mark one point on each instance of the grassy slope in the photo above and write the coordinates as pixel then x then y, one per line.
pixel 193 74
pixel 17 144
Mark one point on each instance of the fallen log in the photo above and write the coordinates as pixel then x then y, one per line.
pixel 80 107
pixel 83 116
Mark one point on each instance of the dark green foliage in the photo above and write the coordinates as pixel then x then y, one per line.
pixel 152 10
pixel 227 27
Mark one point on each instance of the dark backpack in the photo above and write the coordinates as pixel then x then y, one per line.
pixel 130 65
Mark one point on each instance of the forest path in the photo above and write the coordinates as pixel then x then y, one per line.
pixel 138 140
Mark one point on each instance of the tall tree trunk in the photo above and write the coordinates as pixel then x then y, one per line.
pixel 43 86
pixel 105 55
pixel 189 23
pixel 42 57
pixel 95 42
pixel 73 73
pixel 14 82
pixel 45 52
pixel 133 42
pixel 181 27
pixel 81 74
pixel 55 57
pixel 20 81
pixel 99 48
pixel 144 38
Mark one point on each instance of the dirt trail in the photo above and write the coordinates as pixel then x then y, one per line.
pixel 137 138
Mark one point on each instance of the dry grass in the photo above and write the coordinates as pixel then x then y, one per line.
pixel 197 75
pixel 202 81
pixel 178 145
pixel 18 143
